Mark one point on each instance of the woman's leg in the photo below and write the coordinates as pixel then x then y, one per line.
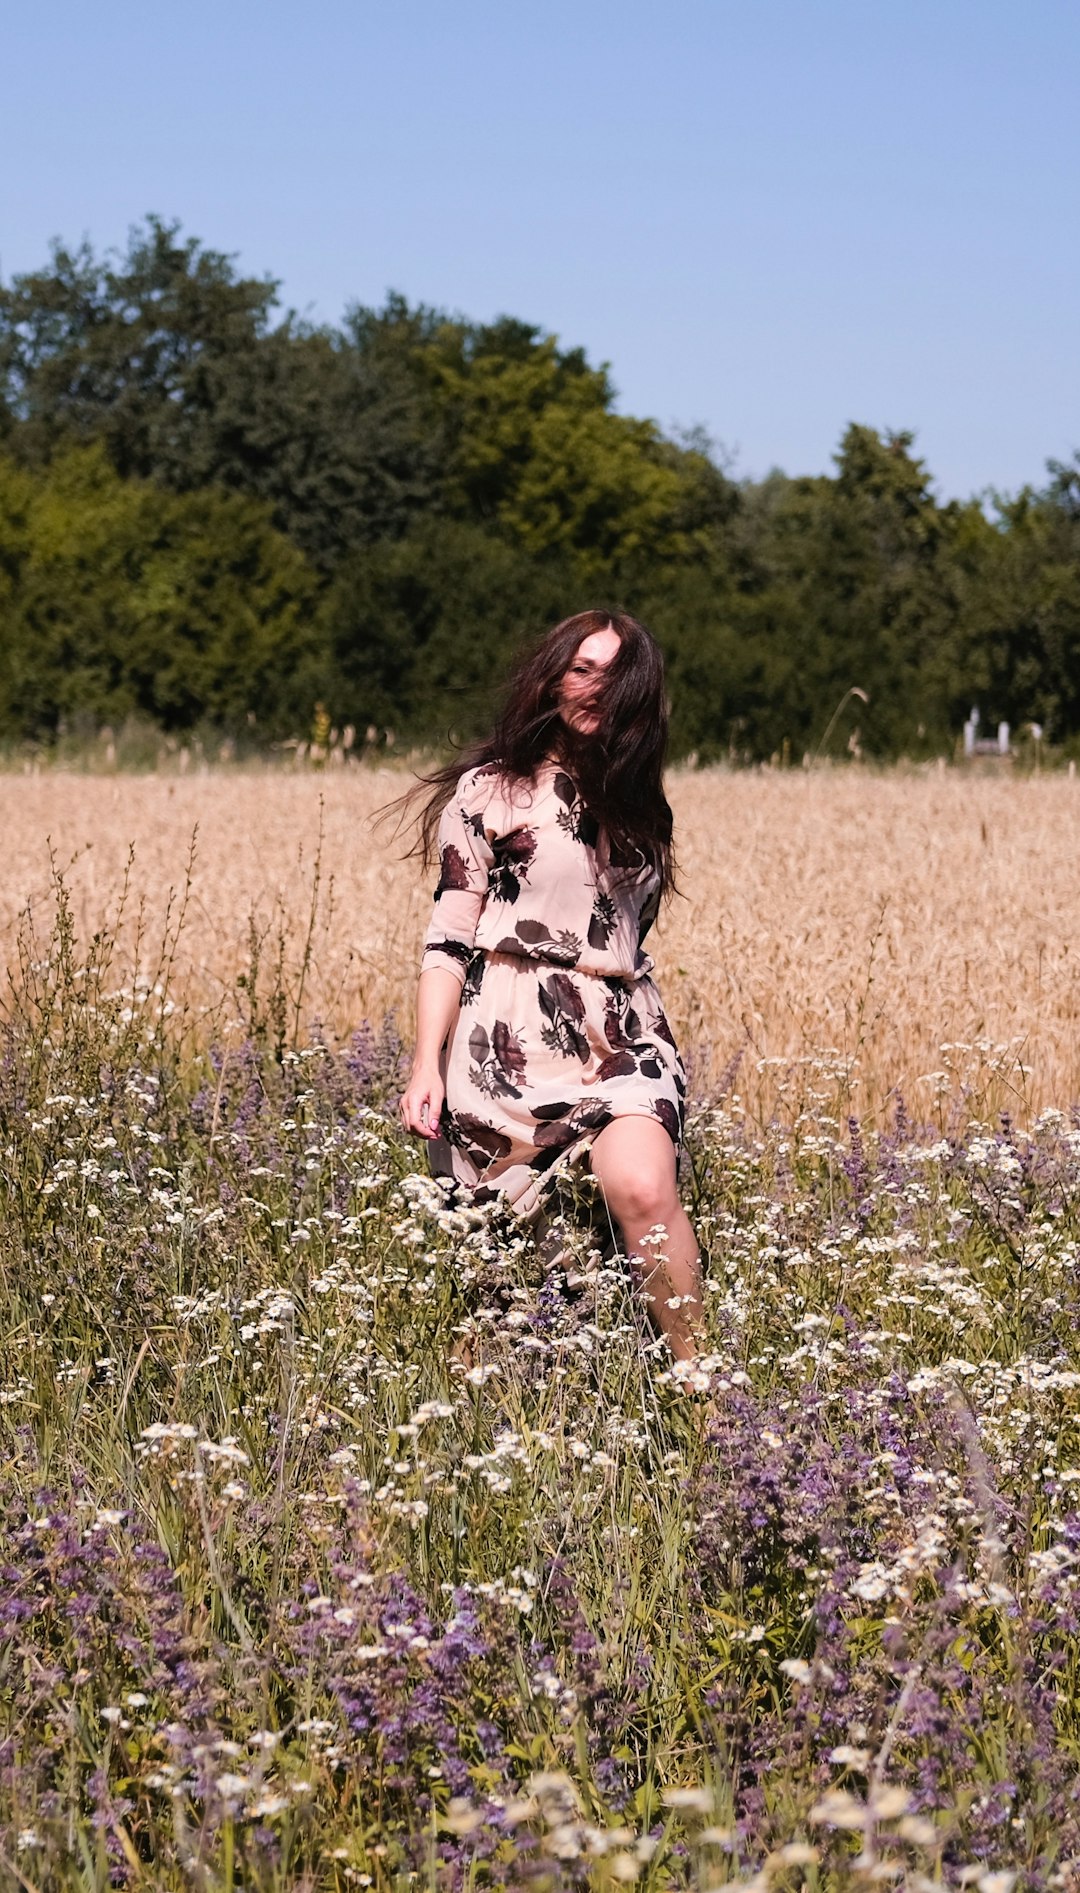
pixel 633 1159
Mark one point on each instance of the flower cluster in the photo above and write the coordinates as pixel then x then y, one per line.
pixel 351 1534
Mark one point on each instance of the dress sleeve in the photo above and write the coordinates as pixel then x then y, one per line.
pixel 465 857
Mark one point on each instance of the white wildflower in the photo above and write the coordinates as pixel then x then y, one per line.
pixel 700 1798
pixel 839 1809
pixel 230 1787
pixel 266 1806
pixel 889 1803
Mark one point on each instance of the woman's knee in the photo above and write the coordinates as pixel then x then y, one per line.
pixel 638 1183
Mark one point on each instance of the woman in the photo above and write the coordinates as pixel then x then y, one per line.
pixel 540 1035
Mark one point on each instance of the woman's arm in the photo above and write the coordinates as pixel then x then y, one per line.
pixel 438 995
pixel 465 861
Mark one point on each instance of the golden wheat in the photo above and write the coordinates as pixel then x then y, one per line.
pixel 840 929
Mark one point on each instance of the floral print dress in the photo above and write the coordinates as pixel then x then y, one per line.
pixel 560 1027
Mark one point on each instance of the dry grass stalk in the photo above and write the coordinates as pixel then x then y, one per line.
pixel 836 926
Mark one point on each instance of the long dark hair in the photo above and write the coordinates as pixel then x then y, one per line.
pixel 618 767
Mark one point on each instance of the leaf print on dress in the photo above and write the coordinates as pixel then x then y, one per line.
pixel 632 1049
pixel 622 1027
pixel 548 1113
pixel 669 1118
pixel 474 974
pixel 455 950
pixel 496 1061
pixel 619 1065
pixel 454 871
pixel 564 1009
pixel 513 855
pixel 573 817
pixel 663 1030
pixel 478 1141
pixel 650 907
pixel 602 922
pixel 553 1138
pixel 564 948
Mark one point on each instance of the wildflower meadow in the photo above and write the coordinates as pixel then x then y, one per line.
pixel 351 1541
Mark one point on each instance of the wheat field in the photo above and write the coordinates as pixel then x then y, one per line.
pixel 353 1539
pixel 870 932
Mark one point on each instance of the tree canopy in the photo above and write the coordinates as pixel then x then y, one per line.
pixel 211 510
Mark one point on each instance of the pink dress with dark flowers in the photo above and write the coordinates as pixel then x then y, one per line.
pixel 560 1027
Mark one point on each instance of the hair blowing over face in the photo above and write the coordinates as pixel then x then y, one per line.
pixel 618 767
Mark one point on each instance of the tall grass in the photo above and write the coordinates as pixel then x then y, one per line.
pixel 918 930
pixel 294 1596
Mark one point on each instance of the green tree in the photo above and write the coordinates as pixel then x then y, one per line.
pixel 209 507
pixel 116 596
pixel 1019 645
pixel 536 452
pixel 421 630
pixel 168 356
pixel 852 582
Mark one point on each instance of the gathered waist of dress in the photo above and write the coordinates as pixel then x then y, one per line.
pixel 550 957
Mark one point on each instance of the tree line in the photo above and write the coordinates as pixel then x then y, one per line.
pixel 214 513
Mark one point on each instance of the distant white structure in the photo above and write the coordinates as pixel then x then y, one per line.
pixel 976 745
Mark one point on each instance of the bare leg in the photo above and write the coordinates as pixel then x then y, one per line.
pixel 633 1160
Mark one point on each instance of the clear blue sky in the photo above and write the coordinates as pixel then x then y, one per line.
pixel 770 216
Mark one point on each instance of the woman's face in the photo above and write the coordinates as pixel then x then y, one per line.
pixel 580 682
